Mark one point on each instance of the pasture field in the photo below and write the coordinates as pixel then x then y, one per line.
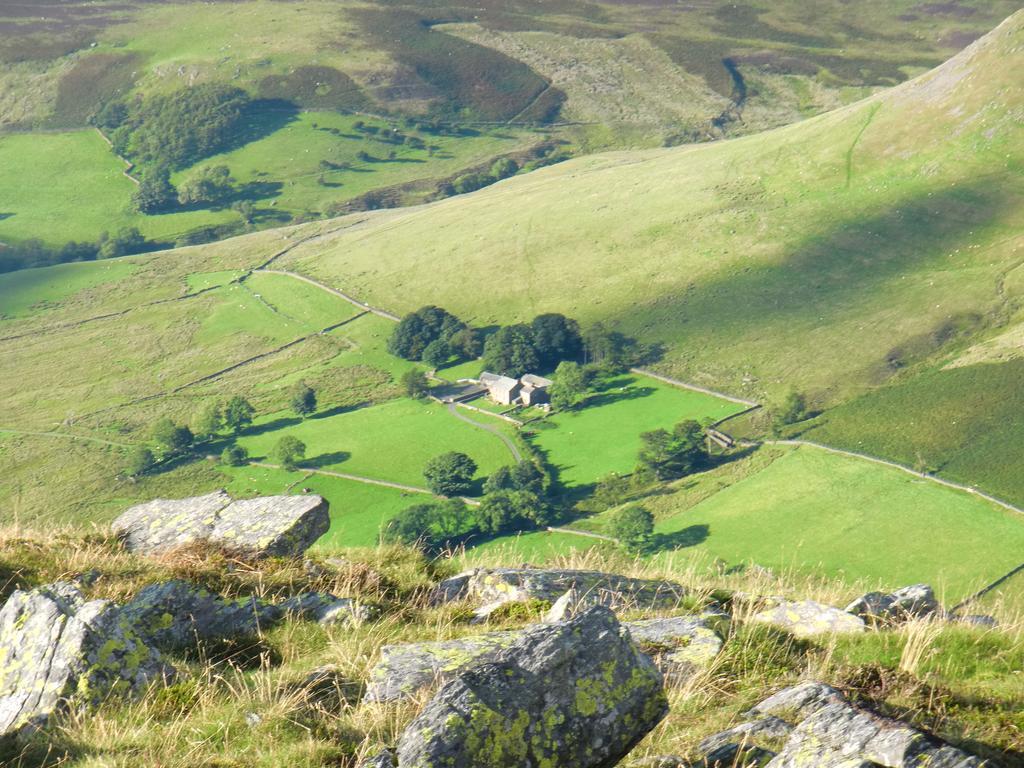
pixel 604 437
pixel 808 511
pixel 69 186
pixel 963 423
pixel 391 441
pixel 36 291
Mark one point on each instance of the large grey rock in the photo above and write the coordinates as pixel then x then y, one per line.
pixel 797 702
pixel 325 609
pixel 914 602
pixel 572 694
pixel 616 592
pixel 841 736
pixel 266 526
pixel 807 618
pixel 175 615
pixel 680 645
pixel 384 759
pixel 745 744
pixel 57 650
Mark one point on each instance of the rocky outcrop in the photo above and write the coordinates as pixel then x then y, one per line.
pixel 576 693
pixel 807 618
pixel 499 585
pixel 177 616
pixel 914 602
pixel 267 526
pixel 57 649
pixel 812 725
pixel 325 609
pixel 679 645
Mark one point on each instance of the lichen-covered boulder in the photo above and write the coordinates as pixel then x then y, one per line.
pixel 807 618
pixel 453 589
pixel 840 735
pixel 265 526
pixel 746 744
pixel 57 650
pixel 797 702
pixel 175 615
pixel 679 645
pixel 325 609
pixel 608 589
pixel 576 694
pixel 404 669
pixel 383 759
pixel 913 602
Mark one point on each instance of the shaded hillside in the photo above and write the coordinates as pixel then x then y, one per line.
pixel 830 255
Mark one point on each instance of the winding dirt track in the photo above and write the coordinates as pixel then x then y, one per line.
pixel 512 447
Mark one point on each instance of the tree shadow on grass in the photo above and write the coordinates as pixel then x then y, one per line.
pixel 340 409
pixel 270 426
pixel 620 395
pixel 687 537
pixel 326 459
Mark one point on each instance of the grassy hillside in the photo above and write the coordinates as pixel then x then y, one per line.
pixel 826 256
pixel 586 75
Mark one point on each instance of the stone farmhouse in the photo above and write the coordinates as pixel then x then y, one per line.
pixel 528 390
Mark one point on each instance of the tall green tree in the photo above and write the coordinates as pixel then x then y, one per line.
pixel 172 438
pixel 556 338
pixel 303 399
pixel 288 451
pixel 633 526
pixel 437 353
pixel 140 461
pixel 155 192
pixel 238 413
pixel 570 386
pixel 418 329
pixel 415 383
pixel 510 351
pixel 208 421
pixel 234 456
pixel 450 474
pixel 212 184
pixel 792 409
pixel 670 455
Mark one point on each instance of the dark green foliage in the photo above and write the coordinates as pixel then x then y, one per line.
pixel 471 182
pixel 303 399
pixel 418 329
pixel 180 128
pixel 238 413
pixel 35 253
pixel 315 87
pixel 172 438
pixel 511 351
pixel 431 526
pixel 499 480
pixel 210 185
pixel 208 421
pixel 792 409
pixel 437 353
pixel 155 193
pixel 466 344
pixel 415 384
pixel 608 348
pixel 125 242
pixel 633 526
pixel 234 456
pixel 670 455
pixel 450 474
pixel 570 386
pixel 612 491
pixel 556 338
pixel 288 451
pixel 140 461
pixel 505 511
pixel 504 167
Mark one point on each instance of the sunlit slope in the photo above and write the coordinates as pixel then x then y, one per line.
pixel 825 255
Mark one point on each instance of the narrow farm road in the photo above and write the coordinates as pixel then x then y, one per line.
pixel 509 443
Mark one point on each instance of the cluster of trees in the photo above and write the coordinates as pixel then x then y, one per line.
pixel 208 186
pixel 515 498
pixel 671 455
pixel 433 335
pixel 540 345
pixel 35 253
pixel 178 129
pixel 471 182
pixel 173 440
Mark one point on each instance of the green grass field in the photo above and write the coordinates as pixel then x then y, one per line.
pixel 604 437
pixel 35 291
pixel 77 191
pixel 391 441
